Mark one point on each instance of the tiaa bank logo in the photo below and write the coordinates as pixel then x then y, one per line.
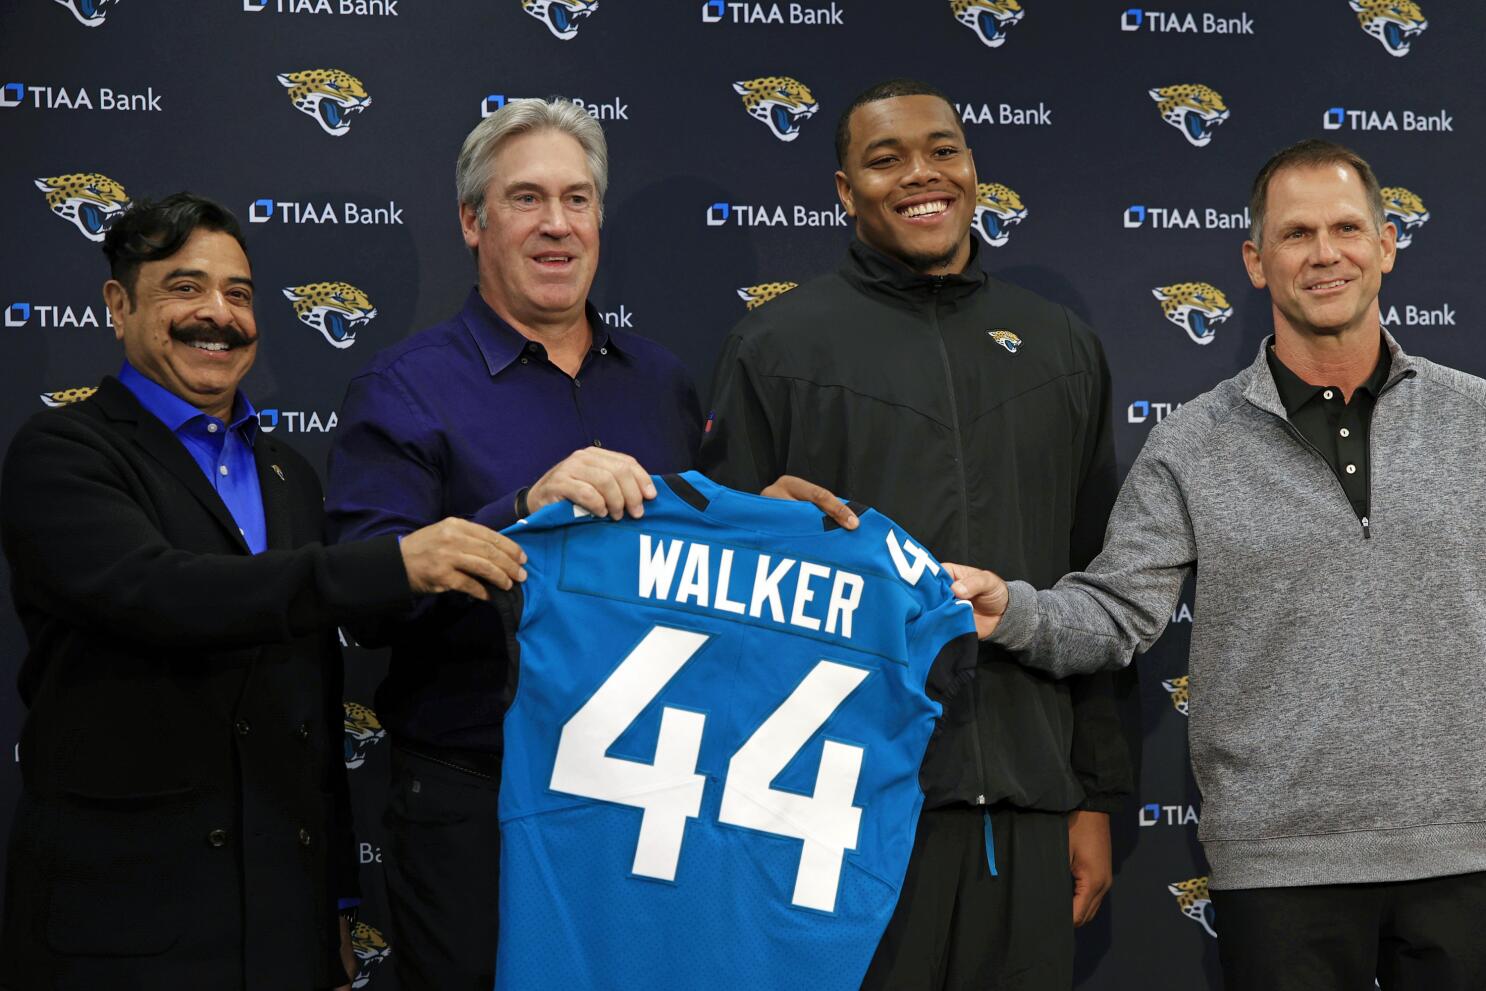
pixel 779 102
pixel 989 19
pixel 1177 689
pixel 1191 108
pixel 90 201
pixel 89 12
pixel 1405 211
pixel 755 296
pixel 562 17
pixel 66 397
pixel 1395 23
pixel 363 731
pixel 1194 901
pixel 1196 307
pixel 330 96
pixel 335 309
pixel 371 949
pixel 997 210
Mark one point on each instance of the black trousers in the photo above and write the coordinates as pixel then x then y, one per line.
pixel 956 926
pixel 1412 935
pixel 442 867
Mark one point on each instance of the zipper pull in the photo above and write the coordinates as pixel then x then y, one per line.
pixel 1366 528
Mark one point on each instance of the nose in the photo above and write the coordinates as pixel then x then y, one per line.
pixel 555 222
pixel 922 169
pixel 1324 250
pixel 214 308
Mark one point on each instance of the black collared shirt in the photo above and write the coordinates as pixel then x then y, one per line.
pixel 1334 427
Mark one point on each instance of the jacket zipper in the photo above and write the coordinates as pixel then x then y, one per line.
pixel 954 414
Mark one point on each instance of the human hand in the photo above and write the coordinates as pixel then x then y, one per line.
pixel 455 555
pixel 986 593
pixel 797 489
pixel 606 483
pixel 1089 861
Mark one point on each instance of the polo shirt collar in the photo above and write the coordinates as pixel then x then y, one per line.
pixel 501 344
pixel 175 412
pixel 1295 391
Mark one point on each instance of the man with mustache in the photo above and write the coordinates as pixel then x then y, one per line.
pixel 975 414
pixel 1329 500
pixel 184 821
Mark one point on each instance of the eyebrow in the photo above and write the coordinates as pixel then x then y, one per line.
pixel 894 142
pixel 196 273
pixel 532 187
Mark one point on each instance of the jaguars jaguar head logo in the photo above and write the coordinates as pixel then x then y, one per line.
pixel 1177 688
pixel 997 210
pixel 90 201
pixel 1405 211
pixel 1193 899
pixel 756 296
pixel 1395 23
pixel 989 19
pixel 371 949
pixel 89 12
pixel 562 17
pixel 780 102
pixel 66 397
pixel 1196 307
pixel 1192 109
pixel 335 309
pixel 330 96
pixel 1006 339
pixel 363 731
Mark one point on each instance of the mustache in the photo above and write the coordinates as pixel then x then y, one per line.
pixel 196 333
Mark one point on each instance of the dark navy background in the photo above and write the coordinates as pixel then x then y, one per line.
pixel 225 127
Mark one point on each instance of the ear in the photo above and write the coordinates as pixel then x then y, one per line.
pixel 1388 243
pixel 469 225
pixel 740 88
pixel 843 192
pixel 116 298
pixel 1251 264
pixel 285 80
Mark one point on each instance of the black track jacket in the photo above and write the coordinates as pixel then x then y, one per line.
pixel 994 449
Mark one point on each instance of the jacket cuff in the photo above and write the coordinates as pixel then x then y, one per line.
pixel 1019 623
pixel 373 574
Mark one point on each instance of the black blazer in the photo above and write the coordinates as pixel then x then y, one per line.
pixel 184 820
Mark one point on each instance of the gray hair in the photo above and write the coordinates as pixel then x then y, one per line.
pixel 472 174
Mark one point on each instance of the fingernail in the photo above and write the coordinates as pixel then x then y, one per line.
pixel 521 574
pixel 958 588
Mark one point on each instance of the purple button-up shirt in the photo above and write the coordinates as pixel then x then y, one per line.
pixel 456 421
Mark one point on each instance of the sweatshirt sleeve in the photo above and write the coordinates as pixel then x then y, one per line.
pixel 745 440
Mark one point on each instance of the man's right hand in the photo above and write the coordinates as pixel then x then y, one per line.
pixel 605 483
pixel 986 593
pixel 455 555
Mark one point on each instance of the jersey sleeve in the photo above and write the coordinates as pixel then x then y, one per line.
pixel 945 634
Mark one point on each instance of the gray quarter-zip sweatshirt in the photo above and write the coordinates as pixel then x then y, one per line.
pixel 1338 667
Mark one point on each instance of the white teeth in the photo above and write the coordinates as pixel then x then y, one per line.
pixel 1330 285
pixel 924 209
pixel 210 345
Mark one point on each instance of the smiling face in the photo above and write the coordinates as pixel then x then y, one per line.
pixel 1322 259
pixel 539 246
pixel 190 324
pixel 909 180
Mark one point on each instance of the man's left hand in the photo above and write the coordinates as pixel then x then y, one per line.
pixel 796 488
pixel 1089 861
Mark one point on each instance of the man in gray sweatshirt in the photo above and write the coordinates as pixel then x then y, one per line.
pixel 1330 499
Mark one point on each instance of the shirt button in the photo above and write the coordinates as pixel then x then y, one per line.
pixel 597 442
pixel 603 350
pixel 1326 394
pixel 221 469
pixel 217 837
pixel 211 428
pixel 1345 432
pixel 523 361
pixel 304 837
pixel 304 731
pixel 1351 469
pixel 577 384
pixel 243 727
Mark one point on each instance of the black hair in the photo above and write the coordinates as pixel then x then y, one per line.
pixel 153 229
pixel 882 91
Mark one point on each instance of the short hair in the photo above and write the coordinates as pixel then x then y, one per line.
pixel 472 173
pixel 1311 153
pixel 882 91
pixel 151 230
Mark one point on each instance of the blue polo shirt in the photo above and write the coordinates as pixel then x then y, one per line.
pixel 456 421
pixel 224 451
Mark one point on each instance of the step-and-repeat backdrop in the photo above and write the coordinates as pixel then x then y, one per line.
pixel 1115 147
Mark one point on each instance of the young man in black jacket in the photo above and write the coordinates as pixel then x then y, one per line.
pixel 976 415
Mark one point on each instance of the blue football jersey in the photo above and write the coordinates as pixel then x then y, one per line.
pixel 711 763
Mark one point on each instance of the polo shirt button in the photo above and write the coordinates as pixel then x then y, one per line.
pixel 304 837
pixel 217 837
pixel 1326 394
pixel 1351 469
pixel 211 428
pixel 597 442
pixel 243 727
pixel 304 731
pixel 532 347
pixel 1345 432
pixel 523 361
pixel 603 350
